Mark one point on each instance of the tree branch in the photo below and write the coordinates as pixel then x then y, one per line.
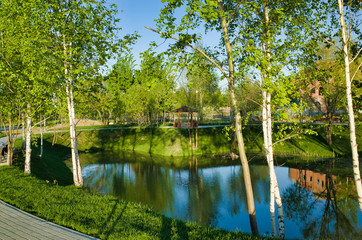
pixel 197 49
pixel 356 71
pixel 291 136
pixel 260 105
pixel 315 33
pixel 359 51
pixel 232 15
pixel 34 125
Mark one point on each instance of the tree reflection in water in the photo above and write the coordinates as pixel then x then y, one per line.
pixel 323 205
pixel 236 187
pixel 205 193
pixel 137 182
pixel 215 195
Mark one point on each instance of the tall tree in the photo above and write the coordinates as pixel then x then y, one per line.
pixel 119 80
pixel 348 59
pixel 325 91
pixel 219 15
pixel 339 25
pixel 202 80
pixel 156 78
pixel 269 36
pixel 31 86
pixel 83 33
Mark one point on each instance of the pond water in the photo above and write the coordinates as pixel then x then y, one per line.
pixel 315 204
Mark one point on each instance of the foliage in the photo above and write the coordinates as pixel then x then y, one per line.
pixel 152 94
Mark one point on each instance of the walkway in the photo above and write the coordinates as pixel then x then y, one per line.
pixel 17 224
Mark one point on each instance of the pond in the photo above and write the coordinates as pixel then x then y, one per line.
pixel 315 204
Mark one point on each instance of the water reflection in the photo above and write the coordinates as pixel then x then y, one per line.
pixel 323 205
pixel 216 195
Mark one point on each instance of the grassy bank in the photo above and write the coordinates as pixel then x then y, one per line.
pixel 100 216
pixel 175 142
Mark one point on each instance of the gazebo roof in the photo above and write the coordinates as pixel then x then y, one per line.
pixel 185 109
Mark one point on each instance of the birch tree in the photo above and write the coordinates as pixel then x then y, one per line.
pixel 84 36
pixel 10 96
pixel 217 15
pixel 338 25
pixel 348 59
pixel 23 55
pixel 270 35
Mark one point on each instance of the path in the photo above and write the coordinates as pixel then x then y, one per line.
pixel 17 224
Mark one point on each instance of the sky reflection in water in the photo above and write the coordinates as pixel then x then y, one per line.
pixel 215 195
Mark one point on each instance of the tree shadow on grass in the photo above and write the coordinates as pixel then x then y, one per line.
pixel 173 229
pixel 51 166
pixel 108 230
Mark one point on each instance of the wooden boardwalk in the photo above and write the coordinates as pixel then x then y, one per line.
pixel 17 224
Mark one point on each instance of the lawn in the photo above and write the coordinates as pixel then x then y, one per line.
pixel 175 142
pixel 105 217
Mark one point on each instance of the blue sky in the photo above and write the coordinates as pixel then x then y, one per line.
pixel 134 15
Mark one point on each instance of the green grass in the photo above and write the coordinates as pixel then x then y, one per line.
pixel 157 141
pixel 175 142
pixel 101 216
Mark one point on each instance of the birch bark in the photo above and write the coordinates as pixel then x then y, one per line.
pixel 268 141
pixel 41 138
pixel 23 145
pixel 27 142
pixel 352 127
pixel 77 171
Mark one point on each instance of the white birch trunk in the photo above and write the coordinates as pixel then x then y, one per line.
pixel 268 145
pixel 352 127
pixel 28 142
pixel 77 171
pixel 41 139
pixel 23 145
pixel 273 177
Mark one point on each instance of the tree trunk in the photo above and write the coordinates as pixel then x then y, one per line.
pixel 77 171
pixel 329 130
pixel 273 177
pixel 10 154
pixel 268 142
pixel 23 145
pixel 196 137
pixel 54 138
pixel 201 118
pixel 239 135
pixel 41 138
pixel 27 169
pixel 188 129
pixel 9 158
pixel 352 127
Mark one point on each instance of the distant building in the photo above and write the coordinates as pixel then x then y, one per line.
pixel 312 181
pixel 313 97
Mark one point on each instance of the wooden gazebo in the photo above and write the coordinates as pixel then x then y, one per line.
pixel 181 122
